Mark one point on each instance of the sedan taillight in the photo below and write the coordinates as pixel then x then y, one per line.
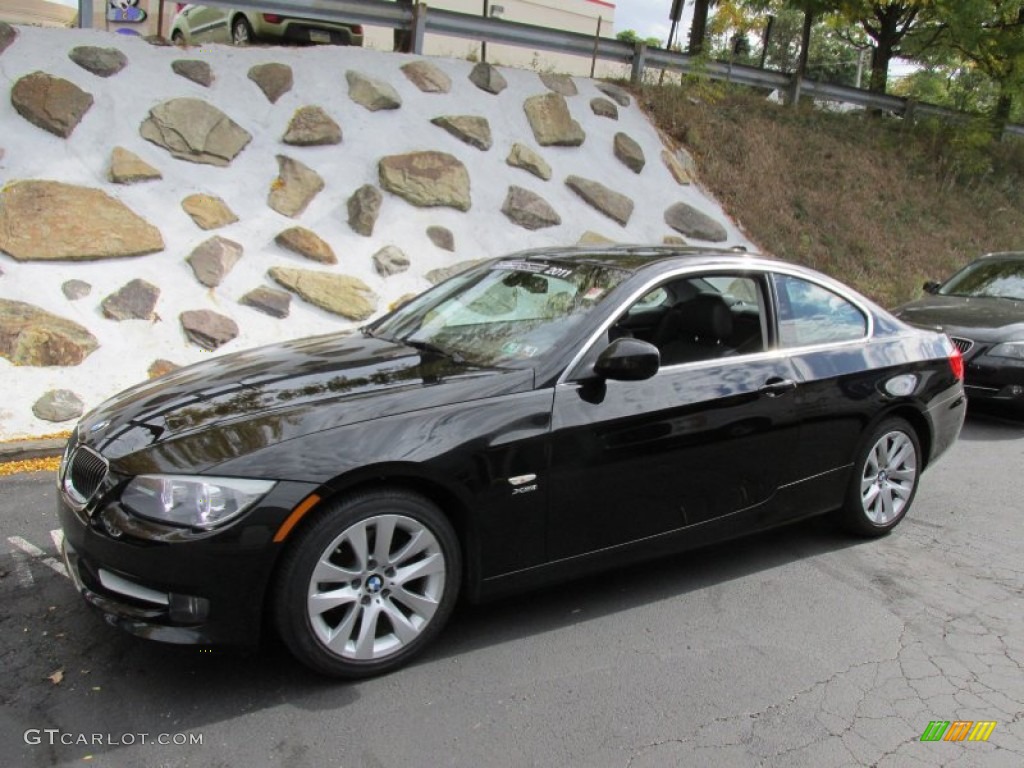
pixel 272 18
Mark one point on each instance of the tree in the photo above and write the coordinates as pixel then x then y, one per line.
pixel 888 24
pixel 630 36
pixel 699 26
pixel 989 36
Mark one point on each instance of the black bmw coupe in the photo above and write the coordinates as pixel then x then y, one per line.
pixel 535 418
pixel 982 308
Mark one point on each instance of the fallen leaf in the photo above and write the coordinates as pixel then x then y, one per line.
pixel 56 677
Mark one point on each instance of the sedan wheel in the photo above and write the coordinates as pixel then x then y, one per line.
pixel 368 584
pixel 888 469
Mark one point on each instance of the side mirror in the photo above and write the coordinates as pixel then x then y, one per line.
pixel 932 287
pixel 628 360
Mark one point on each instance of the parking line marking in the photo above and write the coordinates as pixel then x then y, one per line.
pixel 58 539
pixel 31 549
pixel 21 570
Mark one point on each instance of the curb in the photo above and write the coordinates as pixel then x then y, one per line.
pixel 31 449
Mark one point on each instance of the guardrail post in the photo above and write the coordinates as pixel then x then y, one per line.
pixel 909 108
pixel 794 89
pixel 85 14
pixel 636 75
pixel 419 27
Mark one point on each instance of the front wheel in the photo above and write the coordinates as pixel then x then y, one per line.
pixel 364 588
pixel 886 474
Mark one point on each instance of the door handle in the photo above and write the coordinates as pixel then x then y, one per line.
pixel 776 386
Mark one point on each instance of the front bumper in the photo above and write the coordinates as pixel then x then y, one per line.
pixel 168 586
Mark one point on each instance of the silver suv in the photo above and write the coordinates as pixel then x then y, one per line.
pixel 208 24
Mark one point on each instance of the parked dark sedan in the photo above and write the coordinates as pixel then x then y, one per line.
pixel 535 418
pixel 982 308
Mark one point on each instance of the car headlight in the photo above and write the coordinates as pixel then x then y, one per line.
pixel 1012 349
pixel 196 502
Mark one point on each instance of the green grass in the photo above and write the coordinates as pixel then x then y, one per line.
pixel 874 201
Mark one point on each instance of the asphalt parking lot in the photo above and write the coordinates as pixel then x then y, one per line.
pixel 799 647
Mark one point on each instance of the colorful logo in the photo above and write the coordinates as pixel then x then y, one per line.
pixel 958 730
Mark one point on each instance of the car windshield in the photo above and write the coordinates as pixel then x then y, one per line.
pixel 503 312
pixel 994 278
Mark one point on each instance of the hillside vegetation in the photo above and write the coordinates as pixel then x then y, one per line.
pixel 875 201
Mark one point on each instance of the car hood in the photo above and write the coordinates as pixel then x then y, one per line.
pixel 981 319
pixel 199 416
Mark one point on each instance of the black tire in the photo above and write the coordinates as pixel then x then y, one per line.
pixel 178 39
pixel 885 477
pixel 241 31
pixel 377 609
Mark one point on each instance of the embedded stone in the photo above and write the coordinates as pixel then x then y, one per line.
pixel 306 243
pixel 52 221
pixel 160 368
pixel 7 35
pixel 294 188
pixel 427 77
pixel 208 329
pixel 551 122
pixel 128 168
pixel 442 237
pixel 371 93
pixel 616 94
pixel 529 210
pixel 689 221
pixel 32 336
pixel 612 204
pixel 195 70
pixel 50 103
pixel 441 274
pixel 75 289
pixel 364 208
pixel 594 238
pixel 208 211
pixel 521 156
pixel 390 260
pixel 103 62
pixel 135 300
pixel 488 78
pixel 212 259
pixel 196 131
pixel 341 295
pixel 58 405
pixel 274 80
pixel 604 108
pixel 427 179
pixel 561 84
pixel 268 301
pixel 629 152
pixel 472 130
pixel 680 164
pixel 312 127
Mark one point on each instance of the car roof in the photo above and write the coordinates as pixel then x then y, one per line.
pixel 634 257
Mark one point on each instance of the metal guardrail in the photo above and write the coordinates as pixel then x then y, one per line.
pixel 421 19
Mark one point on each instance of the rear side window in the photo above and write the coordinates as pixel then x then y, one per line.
pixel 811 314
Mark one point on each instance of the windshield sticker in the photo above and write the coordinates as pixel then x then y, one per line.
pixel 521 266
pixel 559 271
pixel 594 293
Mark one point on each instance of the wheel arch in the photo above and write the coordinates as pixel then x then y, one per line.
pixel 916 419
pixel 396 476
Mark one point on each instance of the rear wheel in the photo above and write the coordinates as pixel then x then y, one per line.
pixel 241 31
pixel 885 479
pixel 178 39
pixel 364 588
